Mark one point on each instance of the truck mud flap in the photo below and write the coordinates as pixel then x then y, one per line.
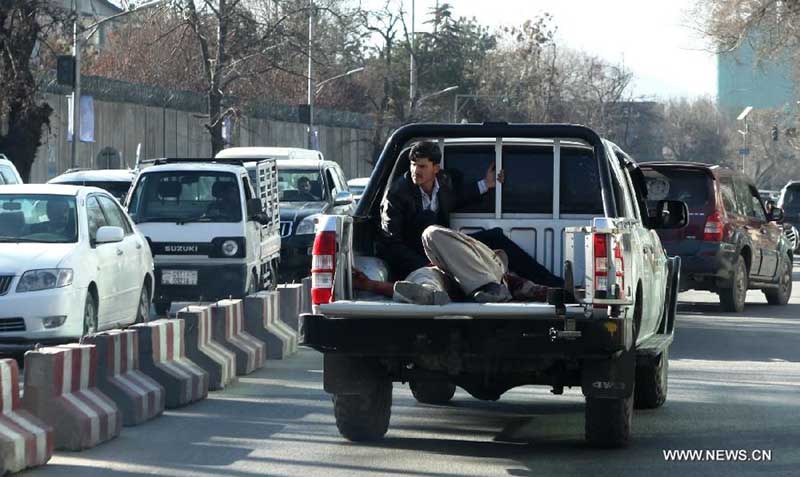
pixel 611 378
pixel 672 297
pixel 346 375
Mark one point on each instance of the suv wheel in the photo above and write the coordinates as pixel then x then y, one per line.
pixel 364 417
pixel 781 295
pixel 732 299
pixel 608 421
pixel 432 392
pixel 651 382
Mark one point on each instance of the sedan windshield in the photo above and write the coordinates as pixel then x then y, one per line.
pixel 116 188
pixel 38 218
pixel 186 196
pixel 299 185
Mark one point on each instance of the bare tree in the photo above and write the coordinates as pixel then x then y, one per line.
pixel 24 27
pixel 694 130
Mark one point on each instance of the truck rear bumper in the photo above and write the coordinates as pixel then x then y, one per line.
pixel 498 338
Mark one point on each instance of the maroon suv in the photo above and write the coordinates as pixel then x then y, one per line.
pixel 731 243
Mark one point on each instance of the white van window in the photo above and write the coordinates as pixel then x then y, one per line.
pixel 186 196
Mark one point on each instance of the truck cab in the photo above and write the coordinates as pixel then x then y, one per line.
pixel 211 225
pixel 577 204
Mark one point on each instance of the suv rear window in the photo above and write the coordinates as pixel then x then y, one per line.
pixel 689 186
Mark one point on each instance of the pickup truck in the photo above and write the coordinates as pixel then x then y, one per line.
pixel 575 202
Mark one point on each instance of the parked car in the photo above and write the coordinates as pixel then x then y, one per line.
pixel 571 199
pixel 357 187
pixel 115 181
pixel 71 263
pixel 307 189
pixel 212 234
pixel 8 173
pixel 732 243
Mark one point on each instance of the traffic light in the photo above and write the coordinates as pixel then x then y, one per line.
pixel 65 70
pixel 775 132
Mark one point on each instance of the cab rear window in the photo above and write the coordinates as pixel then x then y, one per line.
pixel 689 186
pixel 791 198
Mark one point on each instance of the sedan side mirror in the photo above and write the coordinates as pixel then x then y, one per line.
pixel 670 214
pixel 343 198
pixel 776 214
pixel 109 234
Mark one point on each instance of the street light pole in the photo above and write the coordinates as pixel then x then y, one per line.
pixel 743 117
pixel 412 89
pixel 457 107
pixel 311 94
pixel 347 73
pixel 76 92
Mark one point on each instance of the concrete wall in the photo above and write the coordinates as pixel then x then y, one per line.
pixel 171 132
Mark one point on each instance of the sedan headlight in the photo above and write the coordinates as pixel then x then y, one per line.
pixel 34 280
pixel 307 225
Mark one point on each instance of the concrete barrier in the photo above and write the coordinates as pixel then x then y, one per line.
pixel 25 440
pixel 162 356
pixel 138 396
pixel 60 389
pixel 261 320
pixel 305 296
pixel 229 331
pixel 290 303
pixel 218 362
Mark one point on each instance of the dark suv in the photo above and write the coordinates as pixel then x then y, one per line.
pixel 731 243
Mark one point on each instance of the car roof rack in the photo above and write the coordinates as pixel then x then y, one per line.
pixel 207 160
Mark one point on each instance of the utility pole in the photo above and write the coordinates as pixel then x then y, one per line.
pixel 412 90
pixel 311 88
pixel 76 91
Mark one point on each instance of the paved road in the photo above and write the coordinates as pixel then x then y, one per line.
pixel 734 384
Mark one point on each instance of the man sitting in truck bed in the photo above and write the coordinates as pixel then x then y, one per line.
pixel 426 196
pixel 460 267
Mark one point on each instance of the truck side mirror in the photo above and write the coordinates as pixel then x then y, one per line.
pixel 776 214
pixel 343 198
pixel 670 214
pixel 254 207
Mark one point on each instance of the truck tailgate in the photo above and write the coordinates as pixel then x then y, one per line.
pixel 388 309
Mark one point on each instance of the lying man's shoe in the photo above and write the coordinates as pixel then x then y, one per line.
pixel 492 293
pixel 414 293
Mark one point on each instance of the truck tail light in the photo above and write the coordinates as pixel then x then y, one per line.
pixel 601 244
pixel 714 229
pixel 323 267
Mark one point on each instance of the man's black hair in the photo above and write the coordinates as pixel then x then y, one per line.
pixel 303 179
pixel 425 150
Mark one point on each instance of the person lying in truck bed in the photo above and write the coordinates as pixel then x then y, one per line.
pixel 460 267
pixel 425 196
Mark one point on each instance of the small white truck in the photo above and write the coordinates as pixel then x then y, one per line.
pixel 212 225
pixel 572 200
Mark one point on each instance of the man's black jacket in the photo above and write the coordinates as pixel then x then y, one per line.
pixel 403 219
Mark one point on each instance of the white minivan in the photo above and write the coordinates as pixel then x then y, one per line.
pixel 214 232
pixel 71 263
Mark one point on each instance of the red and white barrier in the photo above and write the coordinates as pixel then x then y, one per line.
pixel 60 389
pixel 25 441
pixel 162 356
pixel 137 396
pixel 218 362
pixel 229 331
pixel 261 320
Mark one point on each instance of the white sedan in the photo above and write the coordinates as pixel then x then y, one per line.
pixel 71 263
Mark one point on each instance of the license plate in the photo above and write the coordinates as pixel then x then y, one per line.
pixel 179 277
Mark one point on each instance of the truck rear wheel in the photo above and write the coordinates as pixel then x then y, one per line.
pixel 781 295
pixel 608 421
pixel 364 417
pixel 651 382
pixel 432 392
